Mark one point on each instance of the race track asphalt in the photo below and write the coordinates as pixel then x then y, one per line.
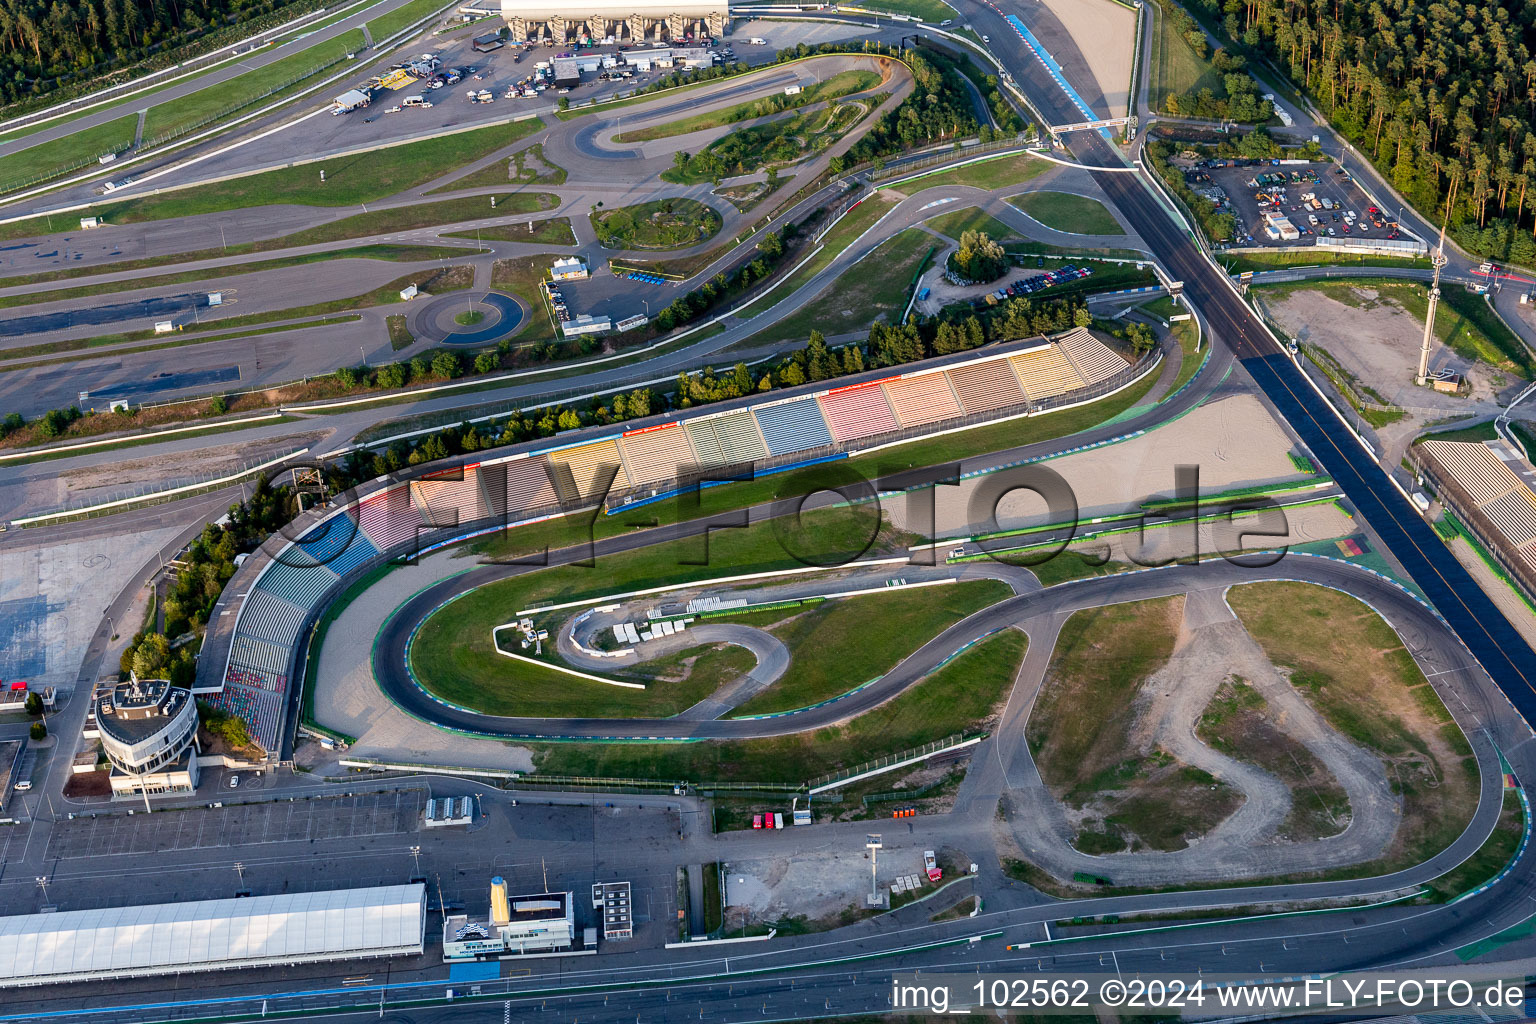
pixel 1469 611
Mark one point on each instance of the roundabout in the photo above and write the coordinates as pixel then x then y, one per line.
pixel 467 318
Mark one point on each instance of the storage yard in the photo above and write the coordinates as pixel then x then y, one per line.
pixel 1298 203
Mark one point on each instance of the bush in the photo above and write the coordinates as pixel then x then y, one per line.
pixel 34 704
pixel 487 362
pixel 38 730
pixel 56 421
pixel 219 406
pixel 391 376
pixel 446 365
pixel 225 726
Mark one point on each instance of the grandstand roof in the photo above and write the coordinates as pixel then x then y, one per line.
pixel 210 935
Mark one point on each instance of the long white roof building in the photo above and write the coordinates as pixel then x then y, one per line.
pixel 212 935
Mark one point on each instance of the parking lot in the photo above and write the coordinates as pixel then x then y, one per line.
pixel 1253 188
pixel 318 818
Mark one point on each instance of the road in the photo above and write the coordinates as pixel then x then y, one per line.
pixel 1474 617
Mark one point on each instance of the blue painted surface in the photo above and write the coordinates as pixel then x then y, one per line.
pixel 1051 67
pixel 477 971
pixel 23 652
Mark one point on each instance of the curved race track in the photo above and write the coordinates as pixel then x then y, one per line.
pixel 1446 661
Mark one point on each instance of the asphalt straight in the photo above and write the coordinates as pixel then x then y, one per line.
pixel 1466 608
pixel 1506 656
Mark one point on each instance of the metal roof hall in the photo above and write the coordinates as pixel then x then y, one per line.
pixel 211 935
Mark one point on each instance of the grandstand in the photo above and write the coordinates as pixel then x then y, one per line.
pixel 249 659
pixel 1495 502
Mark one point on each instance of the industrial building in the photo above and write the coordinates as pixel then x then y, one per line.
pixel 449 810
pixel 586 323
pixel 149 733
pixel 539 923
pixel 13 697
pixel 118 943
pixel 610 21
pixel 1279 226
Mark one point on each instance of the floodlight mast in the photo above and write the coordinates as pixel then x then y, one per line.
pixel 1438 259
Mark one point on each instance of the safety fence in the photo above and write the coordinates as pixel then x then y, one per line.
pixel 879 764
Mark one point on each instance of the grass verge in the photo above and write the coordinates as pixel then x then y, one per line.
pixel 961 697
pixel 1490 858
pixel 555 231
pixel 875 289
pixel 349 180
pixel 988 174
pixel 1063 211
pixel 972 219
pixel 838 645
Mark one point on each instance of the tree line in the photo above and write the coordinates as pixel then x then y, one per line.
pixel 1439 96
pixel 43 41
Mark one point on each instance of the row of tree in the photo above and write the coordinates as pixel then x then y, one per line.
pixel 209 562
pixel 815 361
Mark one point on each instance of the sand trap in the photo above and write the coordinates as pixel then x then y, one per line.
pixel 348 700
pixel 1282 528
pixel 1105 34
pixel 1235 442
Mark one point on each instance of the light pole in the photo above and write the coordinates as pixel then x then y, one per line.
pixel 872 844
pixel 240 873
pixel 416 854
pixel 42 883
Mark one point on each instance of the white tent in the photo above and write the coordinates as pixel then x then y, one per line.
pixel 210 935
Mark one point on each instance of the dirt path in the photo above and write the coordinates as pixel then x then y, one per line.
pixel 1212 646
pixel 1377 341
pixel 1209 651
